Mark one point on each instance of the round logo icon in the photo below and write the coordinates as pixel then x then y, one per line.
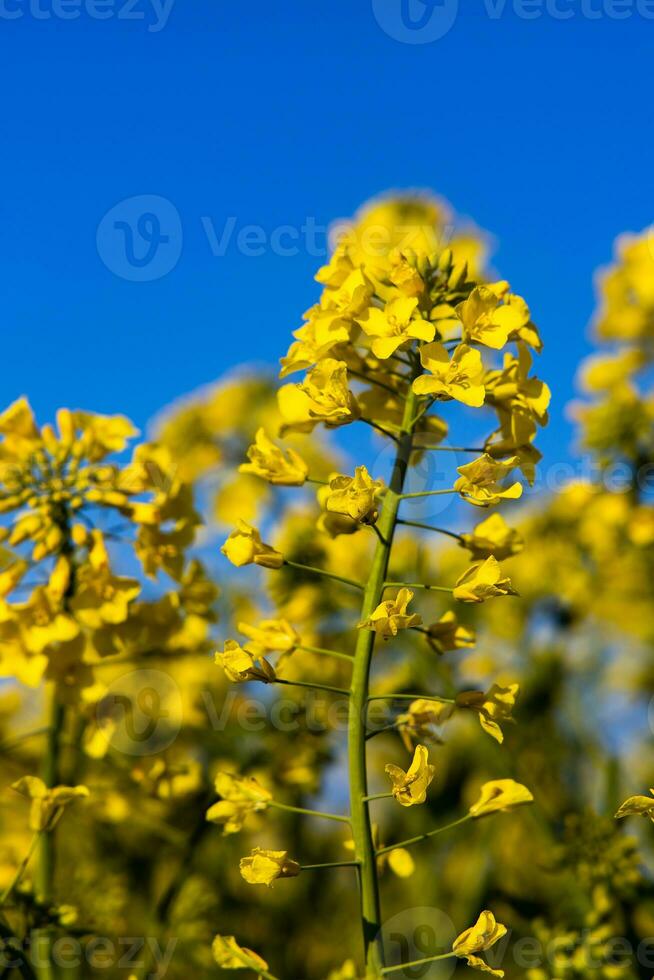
pixel 415 21
pixel 418 934
pixel 141 713
pixel 432 471
pixel 140 238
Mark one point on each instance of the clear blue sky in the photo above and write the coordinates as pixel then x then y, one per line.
pixel 274 112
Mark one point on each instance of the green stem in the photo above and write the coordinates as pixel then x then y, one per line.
pixel 425 493
pixel 329 864
pixel 326 653
pixel 321 571
pixel 432 833
pixel 429 959
pixel 309 813
pixel 431 527
pixel 411 697
pixel 378 796
pixel 313 687
pixel 417 585
pixel 20 871
pixel 364 847
pixel 46 867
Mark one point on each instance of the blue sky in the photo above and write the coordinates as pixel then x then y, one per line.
pixel 269 114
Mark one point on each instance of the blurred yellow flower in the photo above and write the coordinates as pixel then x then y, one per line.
pixel 479 481
pixel 391 616
pixel 482 581
pixel 638 806
pixel 484 934
pixel 230 956
pixel 240 665
pixel 493 537
pixel 244 546
pixel 410 787
pixel 492 707
pixel 278 466
pixel 263 867
pixel 500 795
pixel 47 804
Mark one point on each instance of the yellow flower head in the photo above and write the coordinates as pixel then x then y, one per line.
pixel 513 390
pixel 47 804
pixel 639 806
pixel 449 634
pixel 323 396
pixel 479 481
pixel 484 934
pixel 241 796
pixel 397 323
pixel 274 635
pixel 482 581
pixel 391 616
pixel 241 665
pixel 422 721
pixel 492 707
pixel 230 956
pixel 244 546
pixel 262 867
pixel 486 320
pixel 281 467
pixel 354 496
pixel 493 537
pixel 459 377
pixel 499 796
pixel 410 787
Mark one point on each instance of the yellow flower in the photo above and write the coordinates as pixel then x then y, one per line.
pixel 492 707
pixel 241 665
pixel 281 467
pixel 410 787
pixel 483 580
pixel 460 377
pixel 486 321
pixel 422 721
pixel 271 635
pixel 500 796
pixel 484 934
pixel 393 326
pixel 323 396
pixel 391 616
pixel 639 806
pixel 101 598
pixel 241 796
pixel 244 546
pixel 230 956
pixel 354 497
pixel 47 804
pixel 263 866
pixel 449 634
pixel 479 481
pixel 493 537
pixel 512 390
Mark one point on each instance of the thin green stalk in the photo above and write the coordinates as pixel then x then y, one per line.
pixel 326 653
pixel 431 833
pixel 364 847
pixel 425 493
pixel 431 527
pixel 417 585
pixel 329 864
pixel 308 813
pixel 313 687
pixel 411 697
pixel 378 796
pixel 428 959
pixel 20 870
pixel 321 571
pixel 46 866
